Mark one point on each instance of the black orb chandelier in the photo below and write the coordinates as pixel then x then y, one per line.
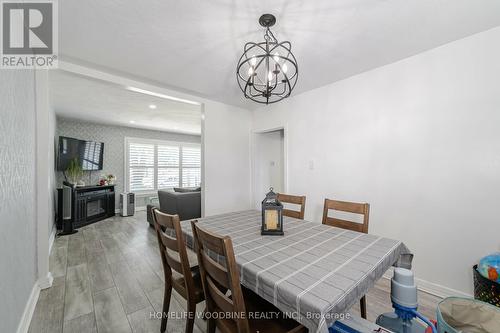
pixel 267 71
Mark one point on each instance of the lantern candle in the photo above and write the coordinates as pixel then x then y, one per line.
pixel 272 215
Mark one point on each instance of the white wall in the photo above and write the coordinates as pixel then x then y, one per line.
pixel 18 241
pixel 420 141
pixel 226 146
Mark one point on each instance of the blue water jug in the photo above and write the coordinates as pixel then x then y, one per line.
pixel 404 302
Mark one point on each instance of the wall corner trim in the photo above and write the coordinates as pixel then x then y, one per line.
pixel 52 237
pixel 29 309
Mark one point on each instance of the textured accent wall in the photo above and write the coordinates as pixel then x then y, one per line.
pixel 114 147
pixel 17 195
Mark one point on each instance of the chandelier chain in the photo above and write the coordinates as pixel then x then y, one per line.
pixel 269 36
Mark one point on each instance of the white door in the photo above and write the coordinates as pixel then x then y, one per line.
pixel 269 164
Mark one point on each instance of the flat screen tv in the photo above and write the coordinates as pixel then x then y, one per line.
pixel 89 154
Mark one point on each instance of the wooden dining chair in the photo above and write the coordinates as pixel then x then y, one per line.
pixel 224 294
pixel 349 207
pixel 296 200
pixel 180 267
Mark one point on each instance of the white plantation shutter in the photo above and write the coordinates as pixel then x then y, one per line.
pixel 191 157
pixel 141 179
pixel 191 166
pixel 168 166
pixel 168 178
pixel 141 154
pixel 154 165
pixel 191 177
pixel 168 156
pixel 141 167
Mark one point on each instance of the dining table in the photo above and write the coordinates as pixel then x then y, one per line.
pixel 314 273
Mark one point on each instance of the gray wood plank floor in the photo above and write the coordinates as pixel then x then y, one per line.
pixel 108 278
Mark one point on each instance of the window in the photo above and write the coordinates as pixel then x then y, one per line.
pixel 191 171
pixel 141 167
pixel 168 166
pixel 153 165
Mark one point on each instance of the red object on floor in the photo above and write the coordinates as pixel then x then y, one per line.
pixel 429 329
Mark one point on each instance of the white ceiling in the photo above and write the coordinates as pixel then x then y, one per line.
pixel 194 45
pixel 83 98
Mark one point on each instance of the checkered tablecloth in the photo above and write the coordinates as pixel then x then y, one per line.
pixel 314 272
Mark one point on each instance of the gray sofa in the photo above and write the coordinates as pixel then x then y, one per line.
pixel 185 202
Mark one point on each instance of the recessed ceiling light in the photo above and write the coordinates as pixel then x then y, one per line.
pixel 151 93
pixel 132 121
pixel 152 106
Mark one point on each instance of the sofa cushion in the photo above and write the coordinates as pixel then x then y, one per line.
pixel 187 189
pixel 149 213
pixel 187 204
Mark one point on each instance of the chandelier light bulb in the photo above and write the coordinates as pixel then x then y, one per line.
pixel 284 68
pixel 253 61
pixel 250 71
pixel 276 57
pixel 270 76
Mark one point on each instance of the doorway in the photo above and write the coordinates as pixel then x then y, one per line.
pixel 269 163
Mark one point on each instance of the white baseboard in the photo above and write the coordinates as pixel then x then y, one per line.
pixel 432 288
pixel 46 282
pixel 137 209
pixel 439 290
pixel 29 309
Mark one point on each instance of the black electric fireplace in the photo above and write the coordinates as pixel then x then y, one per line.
pixel 95 207
pixel 90 204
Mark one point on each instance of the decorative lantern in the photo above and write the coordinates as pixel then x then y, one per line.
pixel 272 215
